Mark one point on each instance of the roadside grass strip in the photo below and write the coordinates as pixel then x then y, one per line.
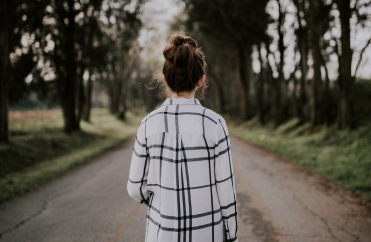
pixel 43 152
pixel 344 157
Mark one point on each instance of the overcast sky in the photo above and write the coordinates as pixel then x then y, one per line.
pixel 157 14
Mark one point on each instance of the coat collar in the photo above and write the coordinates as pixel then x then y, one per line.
pixel 182 100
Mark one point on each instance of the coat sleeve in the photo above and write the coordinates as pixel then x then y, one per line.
pixel 137 183
pixel 225 183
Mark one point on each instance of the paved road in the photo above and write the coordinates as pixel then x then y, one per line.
pixel 277 201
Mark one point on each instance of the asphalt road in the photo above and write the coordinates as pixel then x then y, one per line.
pixel 277 201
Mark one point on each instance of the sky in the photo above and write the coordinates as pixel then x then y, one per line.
pixel 156 17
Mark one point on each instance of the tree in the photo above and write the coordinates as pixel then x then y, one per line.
pixel 67 38
pixel 260 92
pixel 243 29
pixel 4 69
pixel 317 86
pixel 280 87
pixel 238 23
pixel 345 81
pixel 121 38
pixel 63 57
pixel 79 34
pixel 90 53
pixel 19 19
pixel 302 44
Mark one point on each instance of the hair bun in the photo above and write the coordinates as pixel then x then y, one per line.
pixel 184 63
pixel 180 50
pixel 178 40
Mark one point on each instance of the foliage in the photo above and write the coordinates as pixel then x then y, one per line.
pixel 234 27
pixel 242 22
pixel 55 44
pixel 262 56
pixel 24 30
pixel 361 103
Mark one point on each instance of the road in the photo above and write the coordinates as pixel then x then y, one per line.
pixel 277 201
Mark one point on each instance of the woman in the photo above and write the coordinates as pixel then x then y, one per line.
pixel 181 166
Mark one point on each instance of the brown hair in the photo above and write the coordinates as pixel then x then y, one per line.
pixel 184 64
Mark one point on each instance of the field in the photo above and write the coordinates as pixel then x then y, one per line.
pixel 344 157
pixel 39 151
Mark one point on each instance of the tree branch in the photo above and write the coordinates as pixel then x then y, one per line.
pixel 361 57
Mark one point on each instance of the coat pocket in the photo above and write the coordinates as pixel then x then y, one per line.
pixel 150 199
pixel 226 235
pixel 148 202
pixel 224 232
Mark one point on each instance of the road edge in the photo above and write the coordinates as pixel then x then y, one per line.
pixel 29 180
pixel 324 181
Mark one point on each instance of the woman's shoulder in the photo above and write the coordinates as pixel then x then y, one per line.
pixel 154 116
pixel 159 110
pixel 212 115
pixel 215 116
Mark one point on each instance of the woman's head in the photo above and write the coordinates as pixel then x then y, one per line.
pixel 184 64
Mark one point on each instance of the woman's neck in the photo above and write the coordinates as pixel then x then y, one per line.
pixel 187 95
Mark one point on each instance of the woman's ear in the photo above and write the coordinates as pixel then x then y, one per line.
pixel 201 81
pixel 163 76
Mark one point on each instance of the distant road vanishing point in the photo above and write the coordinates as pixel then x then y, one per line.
pixel 277 201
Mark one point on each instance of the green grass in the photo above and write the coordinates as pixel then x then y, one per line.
pixel 39 151
pixel 344 157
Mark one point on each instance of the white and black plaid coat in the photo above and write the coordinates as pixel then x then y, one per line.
pixel 182 170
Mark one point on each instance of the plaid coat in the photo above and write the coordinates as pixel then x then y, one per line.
pixel 182 170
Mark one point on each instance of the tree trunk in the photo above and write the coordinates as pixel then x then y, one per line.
pixel 234 91
pixel 260 89
pixel 327 95
pixel 295 98
pixel 280 86
pixel 81 95
pixel 346 85
pixel 302 43
pixel 67 84
pixel 122 101
pixel 280 99
pixel 220 91
pixel 317 92
pixel 87 106
pixel 271 89
pixel 222 99
pixel 4 70
pixel 244 54
pixel 302 101
pixel 114 95
pixel 89 84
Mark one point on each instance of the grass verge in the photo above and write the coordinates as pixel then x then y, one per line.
pixel 40 152
pixel 344 157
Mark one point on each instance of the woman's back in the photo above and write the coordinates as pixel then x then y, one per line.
pixel 182 169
